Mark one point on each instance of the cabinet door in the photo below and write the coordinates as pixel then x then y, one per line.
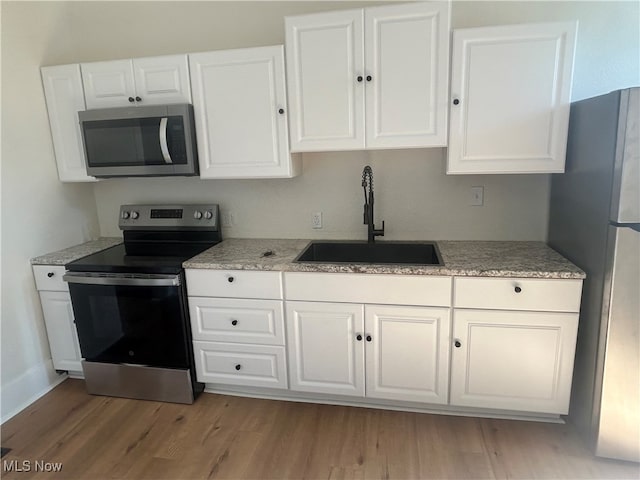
pixel 511 360
pixel 325 69
pixel 407 352
pixel 240 109
pixel 61 330
pixel 65 98
pixel 511 93
pixel 108 84
pixel 407 68
pixel 325 355
pixel 162 80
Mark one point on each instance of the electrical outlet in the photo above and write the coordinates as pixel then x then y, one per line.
pixel 228 219
pixel 477 196
pixel 316 220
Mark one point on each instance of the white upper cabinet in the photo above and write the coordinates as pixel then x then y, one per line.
pixel 407 72
pixel 325 71
pixel 510 98
pixel 141 81
pixel 64 96
pixel 240 107
pixel 396 98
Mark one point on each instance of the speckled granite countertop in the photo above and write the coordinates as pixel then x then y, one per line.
pixel 461 258
pixel 70 254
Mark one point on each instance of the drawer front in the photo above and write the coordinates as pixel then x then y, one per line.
pixel 49 277
pixel 237 320
pixel 233 364
pixel 424 290
pixel 234 284
pixel 542 294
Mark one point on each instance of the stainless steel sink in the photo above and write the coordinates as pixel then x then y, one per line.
pixel 404 253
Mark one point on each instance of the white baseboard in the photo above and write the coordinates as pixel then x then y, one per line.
pixel 21 392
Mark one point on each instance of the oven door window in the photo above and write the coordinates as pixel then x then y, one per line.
pixel 134 142
pixel 139 325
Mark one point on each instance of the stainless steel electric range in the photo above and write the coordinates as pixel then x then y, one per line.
pixel 130 304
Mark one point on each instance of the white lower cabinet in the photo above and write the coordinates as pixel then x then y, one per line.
pixel 378 351
pixel 240 364
pixel 58 318
pixel 325 355
pixel 514 343
pixel 239 339
pixel 407 357
pixel 512 360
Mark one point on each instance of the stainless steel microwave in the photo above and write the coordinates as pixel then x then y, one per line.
pixel 155 140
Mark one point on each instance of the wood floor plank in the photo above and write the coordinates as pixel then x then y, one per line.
pixel 225 437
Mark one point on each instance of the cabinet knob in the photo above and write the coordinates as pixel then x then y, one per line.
pixel 456 101
pixel 457 344
pixel 359 78
pixel 138 99
pixel 369 78
pixel 131 99
pixel 518 289
pixel 230 279
pixel 234 322
pixel 369 338
pixel 359 337
pixel 238 367
pixel 50 274
pixel 281 111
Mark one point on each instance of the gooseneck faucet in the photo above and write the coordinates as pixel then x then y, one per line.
pixel 367 180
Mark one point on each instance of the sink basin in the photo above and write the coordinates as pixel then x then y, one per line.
pixel 406 253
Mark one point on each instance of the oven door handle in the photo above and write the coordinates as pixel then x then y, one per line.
pixel 122 280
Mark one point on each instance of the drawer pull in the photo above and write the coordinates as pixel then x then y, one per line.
pixel 230 279
pixel 457 344
pixel 50 274
pixel 238 367
pixel 234 322
pixel 518 289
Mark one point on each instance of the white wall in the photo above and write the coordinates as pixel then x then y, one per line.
pixel 39 214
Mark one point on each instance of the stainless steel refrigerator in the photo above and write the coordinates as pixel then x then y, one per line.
pixel 594 221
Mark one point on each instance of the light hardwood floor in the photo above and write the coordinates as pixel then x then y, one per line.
pixel 231 437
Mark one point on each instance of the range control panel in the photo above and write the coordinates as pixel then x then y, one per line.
pixel 169 217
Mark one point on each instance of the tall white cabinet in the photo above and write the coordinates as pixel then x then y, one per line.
pixel 65 98
pixel 369 78
pixel 240 106
pixel 510 98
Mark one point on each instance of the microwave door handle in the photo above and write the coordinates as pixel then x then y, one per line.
pixel 163 140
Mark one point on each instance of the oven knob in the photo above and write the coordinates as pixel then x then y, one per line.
pixel 197 214
pixel 208 214
pixel 125 215
pixel 134 215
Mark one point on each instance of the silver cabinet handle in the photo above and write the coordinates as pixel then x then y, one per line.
pixel 163 140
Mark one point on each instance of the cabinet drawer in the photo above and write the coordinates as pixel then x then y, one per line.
pixel 234 364
pixel 234 284
pixel 237 320
pixel 369 288
pixel 553 295
pixel 49 277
